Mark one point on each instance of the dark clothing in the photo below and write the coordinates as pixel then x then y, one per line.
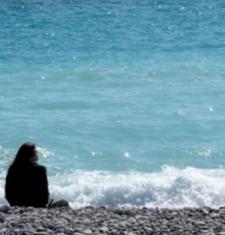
pixel 27 185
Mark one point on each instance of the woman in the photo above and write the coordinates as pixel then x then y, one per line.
pixel 26 181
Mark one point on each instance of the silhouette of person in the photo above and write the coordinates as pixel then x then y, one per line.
pixel 26 181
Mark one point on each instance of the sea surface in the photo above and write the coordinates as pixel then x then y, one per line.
pixel 124 99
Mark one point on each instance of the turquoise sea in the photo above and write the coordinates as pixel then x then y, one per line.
pixel 124 99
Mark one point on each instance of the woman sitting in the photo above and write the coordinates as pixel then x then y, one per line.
pixel 26 181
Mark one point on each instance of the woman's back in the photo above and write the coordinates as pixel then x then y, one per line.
pixel 27 185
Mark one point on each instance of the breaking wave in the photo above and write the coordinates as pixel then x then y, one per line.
pixel 169 188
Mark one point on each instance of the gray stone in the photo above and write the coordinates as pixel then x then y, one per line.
pixel 87 231
pixel 112 221
pixel 4 209
pixel 41 233
pixel 103 229
pixel 2 218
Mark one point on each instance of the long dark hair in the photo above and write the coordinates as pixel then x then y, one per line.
pixel 25 153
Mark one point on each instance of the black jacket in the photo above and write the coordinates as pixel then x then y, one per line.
pixel 27 185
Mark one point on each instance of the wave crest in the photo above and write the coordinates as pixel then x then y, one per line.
pixel 169 188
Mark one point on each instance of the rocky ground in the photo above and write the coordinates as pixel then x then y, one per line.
pixel 111 221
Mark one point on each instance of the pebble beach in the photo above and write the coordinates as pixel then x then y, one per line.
pixel 101 220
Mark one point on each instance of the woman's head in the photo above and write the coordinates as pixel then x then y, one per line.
pixel 26 153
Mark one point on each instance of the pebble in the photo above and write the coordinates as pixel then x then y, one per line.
pixel 4 209
pixel 2 218
pixel 104 220
pixel 87 231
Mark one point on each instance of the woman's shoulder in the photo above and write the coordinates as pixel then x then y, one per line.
pixel 38 167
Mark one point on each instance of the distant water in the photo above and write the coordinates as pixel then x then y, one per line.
pixel 125 99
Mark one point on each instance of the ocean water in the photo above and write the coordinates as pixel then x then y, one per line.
pixel 124 99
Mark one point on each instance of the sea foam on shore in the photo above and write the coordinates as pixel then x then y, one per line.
pixel 101 220
pixel 169 188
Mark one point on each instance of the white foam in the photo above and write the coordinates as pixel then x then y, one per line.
pixel 170 188
pixel 45 152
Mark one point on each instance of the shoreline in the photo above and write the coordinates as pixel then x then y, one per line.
pixel 101 220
